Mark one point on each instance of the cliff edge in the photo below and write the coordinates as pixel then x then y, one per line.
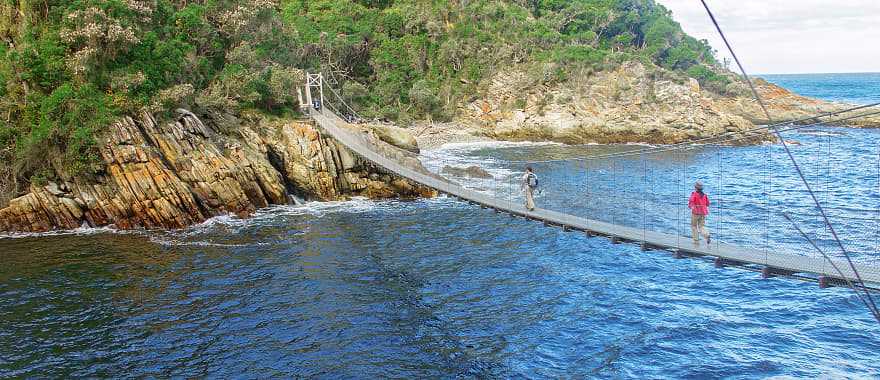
pixel 182 172
pixel 632 103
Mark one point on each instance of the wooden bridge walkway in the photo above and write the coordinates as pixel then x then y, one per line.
pixel 769 263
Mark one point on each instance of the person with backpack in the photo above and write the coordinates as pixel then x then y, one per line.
pixel 699 205
pixel 529 185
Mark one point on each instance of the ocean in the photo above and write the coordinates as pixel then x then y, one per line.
pixel 436 288
pixel 858 88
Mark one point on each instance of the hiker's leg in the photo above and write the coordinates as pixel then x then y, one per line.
pixel 530 198
pixel 703 229
pixel 695 227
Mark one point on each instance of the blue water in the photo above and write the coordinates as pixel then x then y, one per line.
pixel 435 288
pixel 857 88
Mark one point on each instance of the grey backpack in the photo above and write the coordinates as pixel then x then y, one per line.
pixel 533 181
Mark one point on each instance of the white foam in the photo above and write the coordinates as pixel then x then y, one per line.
pixel 183 243
pixel 643 144
pixel 229 222
pixel 81 231
pixel 477 145
pixel 821 133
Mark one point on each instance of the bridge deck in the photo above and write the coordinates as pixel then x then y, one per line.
pixel 777 262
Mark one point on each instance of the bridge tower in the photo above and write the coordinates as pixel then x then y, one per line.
pixel 313 81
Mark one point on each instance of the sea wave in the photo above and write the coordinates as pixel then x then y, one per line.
pixel 83 230
pixel 478 145
pixel 229 222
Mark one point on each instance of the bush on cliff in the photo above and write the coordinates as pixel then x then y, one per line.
pixel 71 66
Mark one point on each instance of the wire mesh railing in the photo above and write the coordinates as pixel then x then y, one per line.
pixel 752 209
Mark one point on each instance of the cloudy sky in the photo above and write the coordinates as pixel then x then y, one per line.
pixel 790 36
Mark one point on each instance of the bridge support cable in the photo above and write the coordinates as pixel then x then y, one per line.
pixel 768 205
pixel 644 200
pixel 837 269
pixel 871 305
pixel 614 176
pixel 679 162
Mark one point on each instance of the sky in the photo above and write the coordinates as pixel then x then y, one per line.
pixel 789 36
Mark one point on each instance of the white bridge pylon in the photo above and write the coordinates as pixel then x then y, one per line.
pixel 313 81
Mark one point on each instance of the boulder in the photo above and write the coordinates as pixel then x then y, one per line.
pixel 470 171
pixel 396 136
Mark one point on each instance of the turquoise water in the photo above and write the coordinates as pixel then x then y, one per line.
pixel 859 88
pixel 440 289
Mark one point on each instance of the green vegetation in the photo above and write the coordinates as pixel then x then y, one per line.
pixel 70 67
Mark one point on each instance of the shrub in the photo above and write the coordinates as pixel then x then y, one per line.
pixel 709 78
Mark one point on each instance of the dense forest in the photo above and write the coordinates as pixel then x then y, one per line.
pixel 69 67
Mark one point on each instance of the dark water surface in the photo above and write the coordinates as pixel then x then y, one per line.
pixel 434 288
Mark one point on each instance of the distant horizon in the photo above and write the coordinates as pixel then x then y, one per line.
pixel 817 73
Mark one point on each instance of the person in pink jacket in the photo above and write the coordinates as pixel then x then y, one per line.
pixel 699 205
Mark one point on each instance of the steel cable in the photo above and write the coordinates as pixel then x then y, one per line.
pixel 871 305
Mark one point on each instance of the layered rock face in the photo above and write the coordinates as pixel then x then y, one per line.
pixel 175 174
pixel 628 104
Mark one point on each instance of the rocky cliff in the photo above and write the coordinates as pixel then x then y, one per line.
pixel 177 173
pixel 628 104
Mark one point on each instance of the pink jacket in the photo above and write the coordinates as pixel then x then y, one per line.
pixel 699 205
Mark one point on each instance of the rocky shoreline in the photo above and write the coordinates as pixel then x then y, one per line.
pixel 179 173
pixel 632 104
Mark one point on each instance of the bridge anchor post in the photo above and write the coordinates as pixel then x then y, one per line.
pixel 646 247
pixel 721 262
pixel 682 254
pixel 828 281
pixel 770 272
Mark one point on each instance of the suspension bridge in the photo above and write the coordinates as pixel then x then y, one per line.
pixel 769 260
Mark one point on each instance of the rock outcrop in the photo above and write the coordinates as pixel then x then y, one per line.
pixel 396 136
pixel 629 104
pixel 472 171
pixel 175 174
pixel 785 105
